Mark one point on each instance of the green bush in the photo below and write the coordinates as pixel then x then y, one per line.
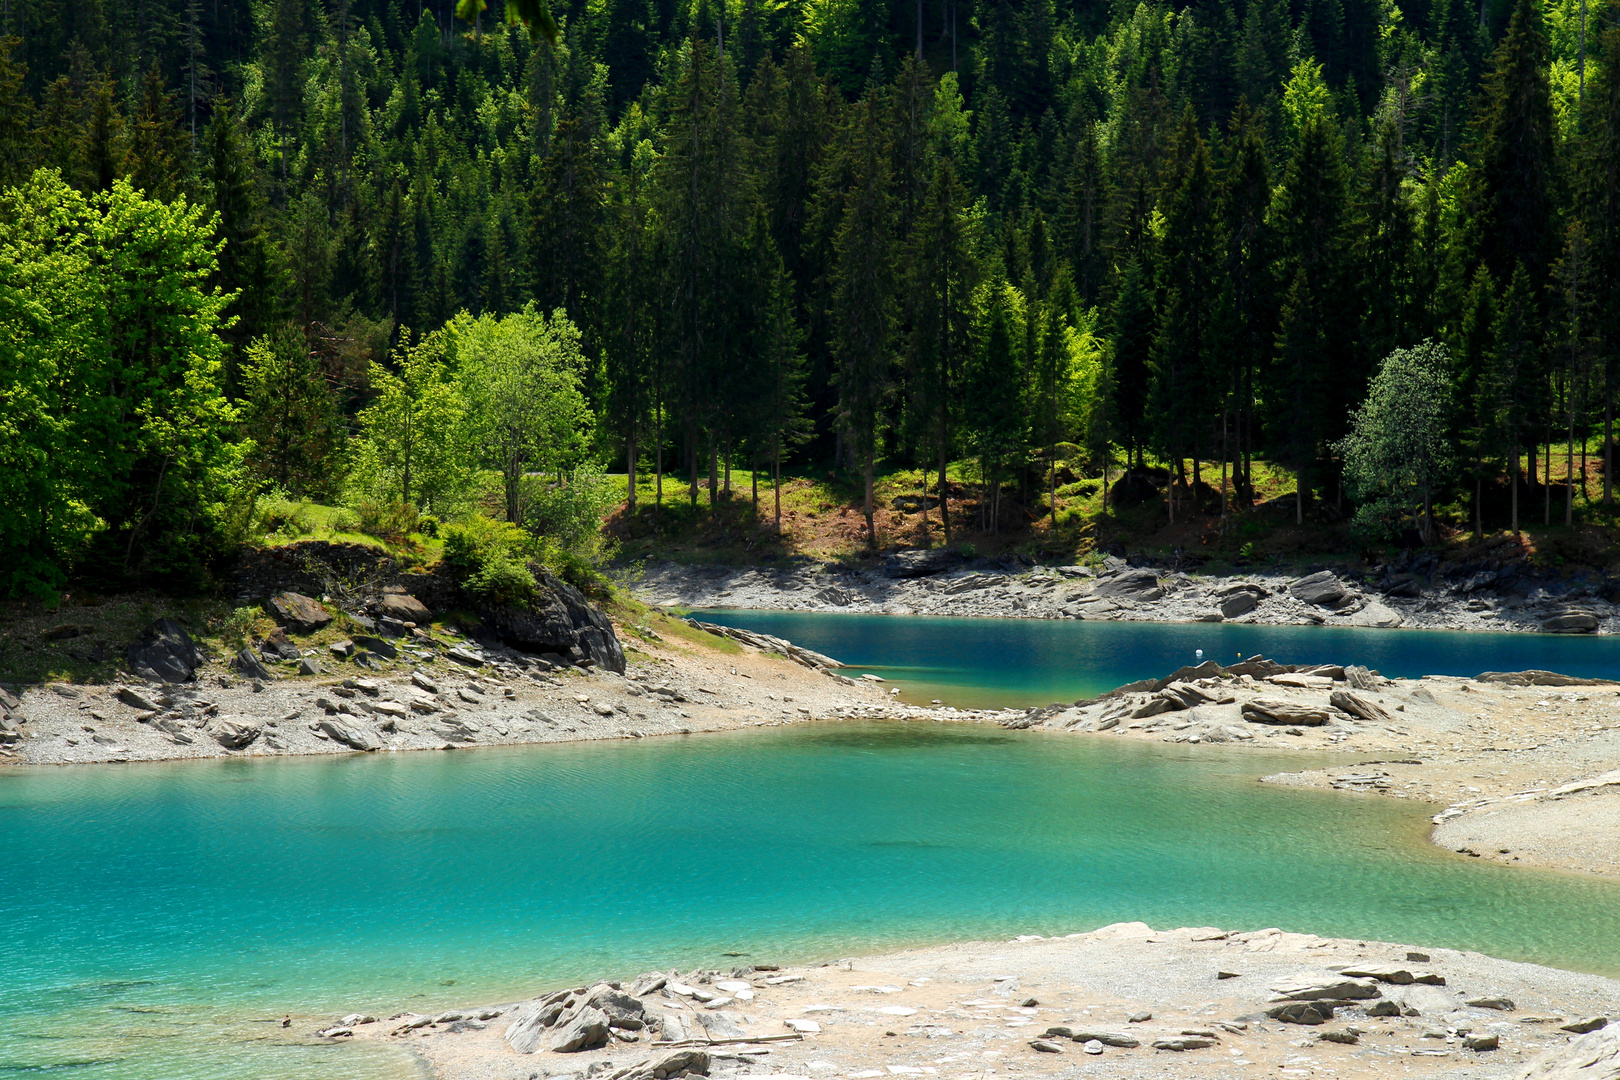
pixel 344 520
pixel 489 559
pixel 387 520
pixel 279 516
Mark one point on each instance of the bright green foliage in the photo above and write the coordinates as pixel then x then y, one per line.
pixel 518 382
pixel 1397 453
pixel 112 426
pixel 489 558
pixel 413 446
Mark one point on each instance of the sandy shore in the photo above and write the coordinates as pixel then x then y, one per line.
pixel 979 1009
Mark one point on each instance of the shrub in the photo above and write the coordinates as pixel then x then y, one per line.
pixel 344 520
pixel 278 515
pixel 387 520
pixel 489 559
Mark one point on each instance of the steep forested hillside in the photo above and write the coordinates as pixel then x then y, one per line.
pixel 370 254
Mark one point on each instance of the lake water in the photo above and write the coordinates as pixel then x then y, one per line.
pixel 992 663
pixel 156 920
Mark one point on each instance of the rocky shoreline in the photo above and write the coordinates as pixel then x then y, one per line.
pixel 1514 597
pixel 1121 1001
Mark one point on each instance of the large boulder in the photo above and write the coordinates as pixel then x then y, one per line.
pixel 1239 603
pixel 1278 711
pixel 1322 589
pixel 350 733
pixel 1571 622
pixel 586 1030
pixel 299 613
pixel 235 734
pixel 916 564
pixel 404 607
pixel 1141 586
pixel 560 620
pixel 246 663
pixel 165 653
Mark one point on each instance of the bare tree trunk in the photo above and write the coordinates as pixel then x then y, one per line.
pixel 1546 486
pixel 944 499
pixel 926 537
pixel 1569 462
pixel 776 477
pixel 630 469
pixel 1515 485
pixel 714 478
pixel 871 528
pixel 1479 514
pixel 754 477
pixel 1223 472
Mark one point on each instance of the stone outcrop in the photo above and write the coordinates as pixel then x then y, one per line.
pixel 235 735
pixel 350 733
pixel 1279 711
pixel 560 621
pixel 297 612
pixel 165 653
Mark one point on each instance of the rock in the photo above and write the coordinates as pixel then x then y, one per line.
pixel 1360 678
pixel 1347 1038
pixel 916 564
pixel 1396 976
pixel 1375 614
pixel 722 1025
pixel 1059 1032
pixel 1322 589
pixel 803 1027
pixel 1590 1023
pixel 1361 707
pixel 349 733
pixel 587 1030
pixel 1140 586
pixel 297 612
pixel 134 699
pixel 342 650
pixel 1041 1046
pixel 1328 987
pixel 1594 1056
pixel 622 1010
pixel 234 734
pixel 1239 603
pixel 1500 1004
pixel 1538 678
pixel 462 656
pixel 356 1019
pixel 380 646
pixel 422 682
pixel 278 647
pixel 1481 1041
pixel 308 667
pixel 405 608
pixel 1384 1007
pixel 1302 1012
pixel 1571 622
pixel 1183 1042
pixel 675 1063
pixel 165 653
pixel 559 620
pixel 1108 1038
pixel 249 665
pixel 1093 1046
pixel 1278 711
pixel 1139 1018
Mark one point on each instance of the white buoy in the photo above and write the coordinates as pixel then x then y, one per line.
pixel 1199 653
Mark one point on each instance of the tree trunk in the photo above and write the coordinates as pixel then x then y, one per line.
pixel 776 477
pixel 714 478
pixel 754 479
pixel 871 528
pixel 1479 514
pixel 1569 466
pixel 944 499
pixel 1608 444
pixel 1515 485
pixel 1546 485
pixel 927 539
pixel 630 469
pixel 1223 472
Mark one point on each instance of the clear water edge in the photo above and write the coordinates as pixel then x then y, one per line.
pixel 156 919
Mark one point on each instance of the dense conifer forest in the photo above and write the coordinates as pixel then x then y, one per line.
pixel 414 265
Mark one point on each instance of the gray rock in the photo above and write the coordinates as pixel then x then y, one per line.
pixel 463 656
pixel 722 1025
pixel 1140 586
pixel 341 650
pixel 380 646
pixel 1587 1024
pixel 1239 603
pixel 136 700
pixel 308 667
pixel 1394 975
pixel 251 666
pixel 1481 1041
pixel 1183 1042
pixel 1594 1056
pixel 349 732
pixel 1539 678
pixel 1375 614
pixel 1094 1046
pixel 673 1064
pixel 1107 1038
pixel 622 1010
pixel 1500 1004
pixel 1302 1012
pixel 165 653
pixel 1327 987
pixel 234 734
pixel 1571 622
pixel 1360 678
pixel 1322 589
pixel 1279 711
pixel 587 1030
pixel 1041 1046
pixel 404 607
pixel 916 564
pixel 677 1027
pixel 559 620
pixel 1362 707
pixel 297 612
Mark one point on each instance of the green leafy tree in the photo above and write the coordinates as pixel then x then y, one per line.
pixel 413 446
pixel 1397 453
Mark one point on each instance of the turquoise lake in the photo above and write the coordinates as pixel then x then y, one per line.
pixel 157 920
pixel 994 663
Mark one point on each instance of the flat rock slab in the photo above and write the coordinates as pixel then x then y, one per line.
pixel 299 613
pixel 1278 711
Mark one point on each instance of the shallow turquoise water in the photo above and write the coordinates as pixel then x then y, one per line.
pixel 151 914
pixel 992 663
